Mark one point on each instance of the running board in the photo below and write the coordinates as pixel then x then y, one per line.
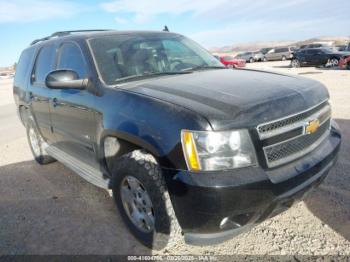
pixel 87 172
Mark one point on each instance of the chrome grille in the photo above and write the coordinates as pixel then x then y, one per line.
pixel 291 147
pixel 281 125
pixel 282 145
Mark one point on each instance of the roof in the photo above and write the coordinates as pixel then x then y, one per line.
pixel 83 34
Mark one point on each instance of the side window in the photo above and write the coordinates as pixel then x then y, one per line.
pixel 312 51
pixel 24 62
pixel 44 63
pixel 71 58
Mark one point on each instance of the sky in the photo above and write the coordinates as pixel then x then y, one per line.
pixel 212 23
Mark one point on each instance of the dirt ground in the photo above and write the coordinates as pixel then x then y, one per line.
pixel 51 210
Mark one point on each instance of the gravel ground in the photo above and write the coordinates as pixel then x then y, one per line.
pixel 51 210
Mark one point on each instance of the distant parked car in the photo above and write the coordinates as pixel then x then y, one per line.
pixel 346 48
pixel 3 76
pixel 247 56
pixel 315 45
pixel 230 61
pixel 258 56
pixel 341 47
pixel 317 57
pixel 344 63
pixel 279 53
pixel 265 50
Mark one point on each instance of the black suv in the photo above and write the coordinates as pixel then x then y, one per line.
pixel 317 57
pixel 187 146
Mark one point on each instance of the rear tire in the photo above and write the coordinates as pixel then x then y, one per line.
pixel 264 59
pixel 37 145
pixel 142 171
pixel 295 63
pixel 251 60
pixel 333 62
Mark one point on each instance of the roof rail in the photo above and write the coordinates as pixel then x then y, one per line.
pixel 64 33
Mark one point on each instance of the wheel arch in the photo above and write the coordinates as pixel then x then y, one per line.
pixel 114 144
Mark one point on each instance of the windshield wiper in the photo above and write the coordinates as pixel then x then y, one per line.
pixel 135 77
pixel 203 67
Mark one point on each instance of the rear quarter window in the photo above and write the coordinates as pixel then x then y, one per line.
pixel 23 66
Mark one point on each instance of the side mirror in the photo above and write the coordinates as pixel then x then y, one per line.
pixel 65 79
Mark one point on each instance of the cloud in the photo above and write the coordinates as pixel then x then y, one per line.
pixel 120 20
pixel 227 10
pixel 144 10
pixel 36 10
pixel 227 21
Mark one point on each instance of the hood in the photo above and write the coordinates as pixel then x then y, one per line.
pixel 235 98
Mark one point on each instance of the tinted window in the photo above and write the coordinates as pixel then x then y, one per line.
pixel 72 58
pixel 314 51
pixel 23 65
pixel 44 63
pixel 281 50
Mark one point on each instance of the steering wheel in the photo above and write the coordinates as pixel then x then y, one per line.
pixel 179 65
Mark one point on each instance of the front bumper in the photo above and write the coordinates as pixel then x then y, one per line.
pixel 212 207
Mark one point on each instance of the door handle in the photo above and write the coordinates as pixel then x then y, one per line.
pixel 54 102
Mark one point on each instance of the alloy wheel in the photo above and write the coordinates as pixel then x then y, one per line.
pixel 333 62
pixel 137 204
pixel 295 63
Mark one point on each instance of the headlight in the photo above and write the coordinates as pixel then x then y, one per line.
pixel 210 151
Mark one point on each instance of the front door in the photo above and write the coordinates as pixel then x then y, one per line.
pixel 71 109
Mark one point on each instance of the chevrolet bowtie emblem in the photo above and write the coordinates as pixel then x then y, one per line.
pixel 312 126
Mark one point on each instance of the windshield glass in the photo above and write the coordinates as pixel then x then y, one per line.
pixel 130 56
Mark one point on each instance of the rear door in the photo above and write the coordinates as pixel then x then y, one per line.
pixel 38 94
pixel 321 58
pixel 71 110
pixel 315 57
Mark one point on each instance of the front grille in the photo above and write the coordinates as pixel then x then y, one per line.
pixel 294 146
pixel 266 128
pixel 285 140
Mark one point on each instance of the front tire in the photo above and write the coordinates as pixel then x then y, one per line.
pixel 139 191
pixel 37 145
pixel 284 58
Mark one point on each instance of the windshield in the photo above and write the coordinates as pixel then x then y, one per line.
pixel 128 57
